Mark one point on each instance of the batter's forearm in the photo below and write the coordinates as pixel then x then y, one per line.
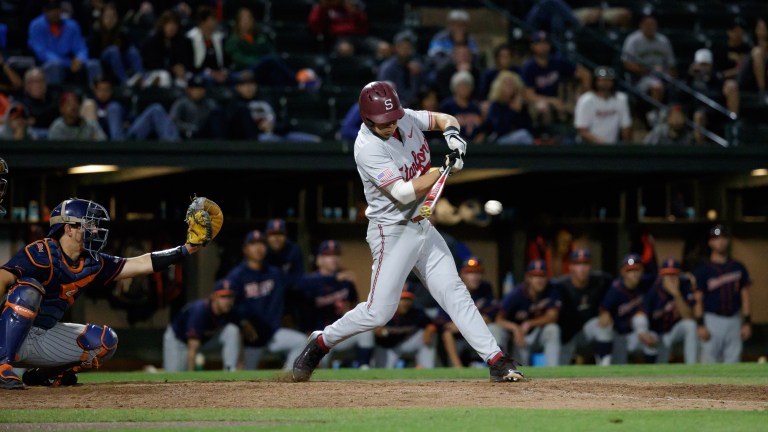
pixel 423 184
pixel 443 121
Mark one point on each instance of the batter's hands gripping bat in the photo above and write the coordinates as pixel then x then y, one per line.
pixel 437 189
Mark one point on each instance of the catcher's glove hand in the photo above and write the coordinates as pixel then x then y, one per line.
pixel 204 219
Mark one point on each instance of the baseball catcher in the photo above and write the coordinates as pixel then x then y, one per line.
pixel 47 276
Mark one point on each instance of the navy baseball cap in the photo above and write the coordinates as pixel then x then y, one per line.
pixel 254 236
pixel 196 81
pixel 329 247
pixel 409 290
pixel 275 226
pixel 670 266
pixel 581 256
pixel 222 288
pixel 536 268
pixel 718 231
pixel 631 261
pixel 472 265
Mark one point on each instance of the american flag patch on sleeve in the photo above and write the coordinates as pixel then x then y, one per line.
pixel 385 175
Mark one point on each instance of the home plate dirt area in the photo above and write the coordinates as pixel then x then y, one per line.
pixel 595 394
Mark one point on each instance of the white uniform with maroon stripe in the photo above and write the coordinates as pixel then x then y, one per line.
pixel 400 245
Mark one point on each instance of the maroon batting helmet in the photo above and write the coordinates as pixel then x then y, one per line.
pixel 379 103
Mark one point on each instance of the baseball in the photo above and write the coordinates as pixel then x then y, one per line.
pixel 493 207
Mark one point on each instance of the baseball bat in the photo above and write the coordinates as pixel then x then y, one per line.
pixel 434 194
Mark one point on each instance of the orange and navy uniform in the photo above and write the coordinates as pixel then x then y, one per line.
pixel 62 279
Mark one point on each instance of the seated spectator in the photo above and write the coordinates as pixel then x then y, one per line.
pixel 58 45
pixel 646 53
pixel 455 33
pixel 71 125
pixel 507 120
pixel 43 106
pixel 602 115
pixel 461 60
pixel 529 313
pixel 502 57
pixel 209 56
pixel 250 49
pixel 752 77
pixel 731 55
pixel 10 81
pixel 410 331
pixel 248 118
pixel 556 16
pixel 197 116
pixel 462 106
pixel 673 131
pixel 113 118
pixel 402 69
pixel 196 326
pixel 471 273
pixel 112 43
pixel 344 23
pixel 16 124
pixel 704 77
pixel 167 54
pixel 542 74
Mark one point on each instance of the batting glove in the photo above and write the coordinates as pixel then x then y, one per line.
pixel 454 140
pixel 453 161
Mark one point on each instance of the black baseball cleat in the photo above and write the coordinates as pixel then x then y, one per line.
pixel 307 361
pixel 8 378
pixel 47 378
pixel 504 369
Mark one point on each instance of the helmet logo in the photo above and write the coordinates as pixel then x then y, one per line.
pixel 388 104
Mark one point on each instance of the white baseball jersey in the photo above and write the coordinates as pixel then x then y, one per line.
pixel 603 117
pixel 381 163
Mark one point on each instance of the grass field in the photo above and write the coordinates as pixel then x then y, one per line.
pixel 423 418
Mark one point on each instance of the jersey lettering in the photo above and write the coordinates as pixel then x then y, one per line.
pixel 259 289
pixel 419 165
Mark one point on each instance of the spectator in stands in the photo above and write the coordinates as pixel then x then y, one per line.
pixel 529 314
pixel 543 73
pixel 167 54
pixel 502 57
pixel 402 69
pixel 461 60
pixel 673 131
pixel 42 105
pixel 704 77
pixel 71 125
pixel 426 99
pixel 10 81
pixel 753 73
pixel 196 115
pixel 111 43
pixel 645 54
pixel 462 106
pixel 345 24
pixel 251 49
pixel 730 57
pixel 556 16
pixel 507 121
pixel 112 116
pixel 16 124
pixel 248 118
pixel 59 46
pixel 208 46
pixel 602 115
pixel 455 33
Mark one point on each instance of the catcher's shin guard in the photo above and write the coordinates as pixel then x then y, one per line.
pixel 99 343
pixel 19 312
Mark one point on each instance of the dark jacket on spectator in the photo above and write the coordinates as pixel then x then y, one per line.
pixel 156 55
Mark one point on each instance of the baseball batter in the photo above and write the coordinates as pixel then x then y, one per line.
pixel 47 276
pixel 722 309
pixel 393 160
pixel 197 324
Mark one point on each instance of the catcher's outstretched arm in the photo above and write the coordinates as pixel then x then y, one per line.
pixel 154 261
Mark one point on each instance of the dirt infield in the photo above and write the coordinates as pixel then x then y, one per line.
pixel 539 393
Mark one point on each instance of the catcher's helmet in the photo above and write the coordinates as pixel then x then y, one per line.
pixel 3 184
pixel 88 215
pixel 379 103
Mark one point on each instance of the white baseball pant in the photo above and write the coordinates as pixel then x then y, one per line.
pixel 546 337
pixel 724 344
pixel 284 340
pixel 54 347
pixel 396 250
pixel 591 332
pixel 175 350
pixel 683 331
pixel 425 354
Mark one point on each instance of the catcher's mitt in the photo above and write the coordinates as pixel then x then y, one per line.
pixel 204 219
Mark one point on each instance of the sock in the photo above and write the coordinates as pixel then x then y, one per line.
pixel 495 358
pixel 321 342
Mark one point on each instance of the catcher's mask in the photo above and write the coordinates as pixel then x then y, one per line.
pixel 89 215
